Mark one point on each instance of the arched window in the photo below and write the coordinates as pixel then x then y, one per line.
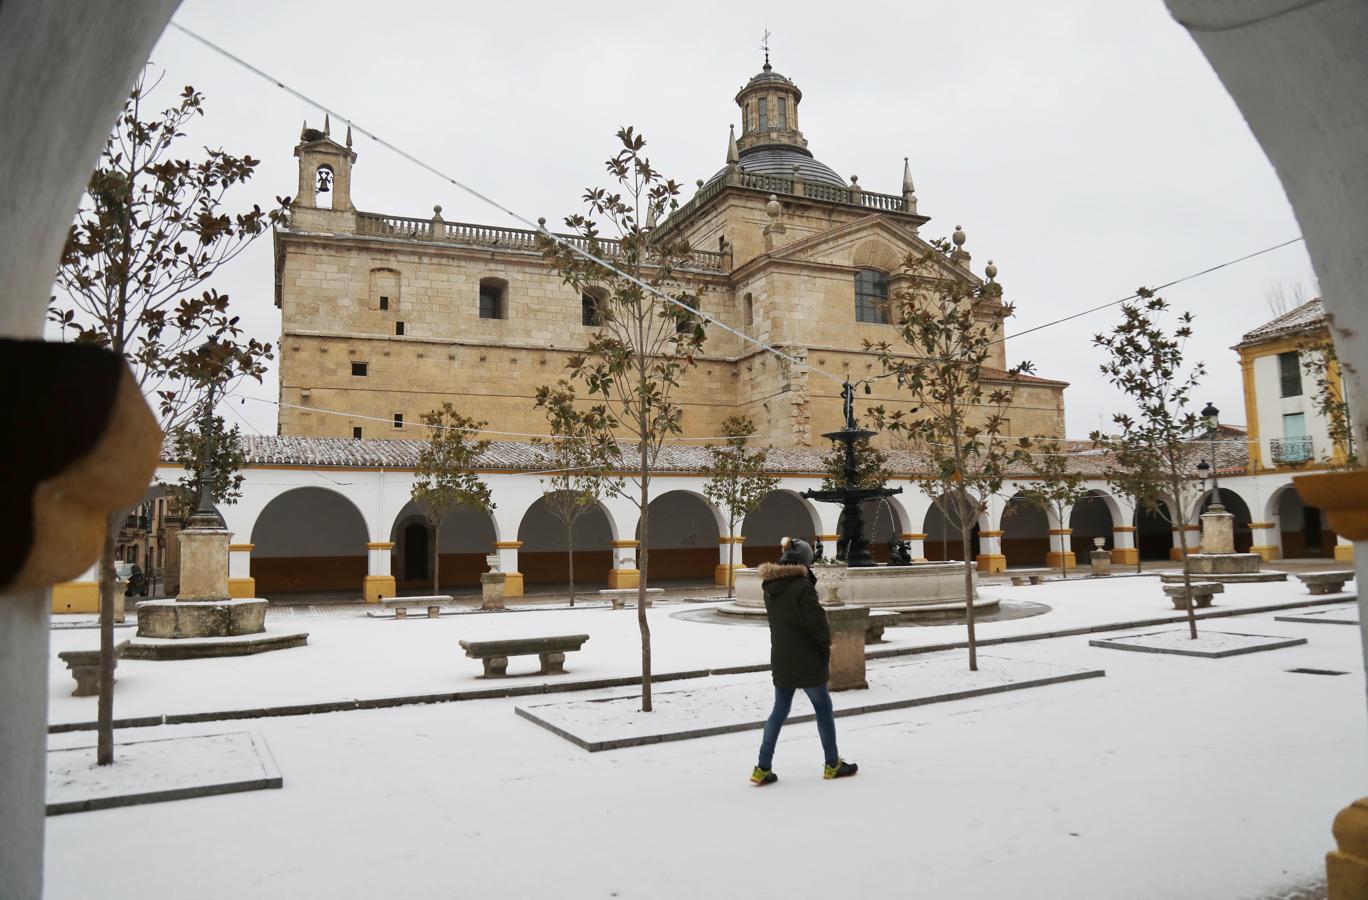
pixel 871 296
pixel 323 187
pixel 748 310
pixel 493 298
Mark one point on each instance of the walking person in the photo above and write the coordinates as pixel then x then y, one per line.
pixel 800 656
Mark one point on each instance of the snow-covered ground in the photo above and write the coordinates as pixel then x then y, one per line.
pixel 1171 777
pixel 357 657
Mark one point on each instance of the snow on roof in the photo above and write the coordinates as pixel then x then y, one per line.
pixel 1308 317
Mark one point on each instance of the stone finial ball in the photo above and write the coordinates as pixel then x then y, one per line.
pixel 990 270
pixel 958 237
pixel 854 179
pixel 541 221
pixel 699 182
pixel 437 208
pixel 773 207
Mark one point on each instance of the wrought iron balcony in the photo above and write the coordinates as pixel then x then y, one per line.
pixel 1291 451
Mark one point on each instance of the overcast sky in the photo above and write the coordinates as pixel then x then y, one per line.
pixel 1087 148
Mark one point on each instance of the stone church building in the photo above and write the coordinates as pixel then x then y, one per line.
pixel 385 317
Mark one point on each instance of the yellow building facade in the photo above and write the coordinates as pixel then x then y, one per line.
pixel 386 317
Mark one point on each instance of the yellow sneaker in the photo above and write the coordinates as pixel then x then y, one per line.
pixel 761 777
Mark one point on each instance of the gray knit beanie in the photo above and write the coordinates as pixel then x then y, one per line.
pixel 795 552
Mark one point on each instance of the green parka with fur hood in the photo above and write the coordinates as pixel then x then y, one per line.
pixel 800 640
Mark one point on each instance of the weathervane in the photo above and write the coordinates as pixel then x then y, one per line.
pixel 764 45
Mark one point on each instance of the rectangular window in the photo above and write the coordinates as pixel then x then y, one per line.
pixel 764 113
pixel 783 112
pixel 1289 372
pixel 398 420
pixel 398 327
pixel 356 433
pixel 871 297
pixel 491 301
pixel 359 369
pixel 384 303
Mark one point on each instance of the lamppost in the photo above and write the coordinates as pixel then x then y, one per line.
pixel 1212 417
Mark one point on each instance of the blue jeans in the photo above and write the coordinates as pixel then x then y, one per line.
pixel 826 723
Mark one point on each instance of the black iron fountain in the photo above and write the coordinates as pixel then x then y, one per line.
pixel 851 496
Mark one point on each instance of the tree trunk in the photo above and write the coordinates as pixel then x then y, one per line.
pixel 436 557
pixel 570 553
pixel 1063 560
pixel 104 750
pixel 1187 574
pixel 966 543
pixel 731 556
pixel 642 565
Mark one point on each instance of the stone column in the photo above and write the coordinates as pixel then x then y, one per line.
pixel 1060 551
pixel 848 624
pixel 79 596
pixel 916 546
pixel 829 542
pixel 624 573
pixel 1193 541
pixel 379 583
pixel 240 580
pixel 1267 541
pixel 1124 551
pixel 1344 549
pixel 1218 531
pixel 204 564
pixel 722 576
pixel 508 565
pixel 990 558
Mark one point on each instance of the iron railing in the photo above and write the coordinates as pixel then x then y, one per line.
pixel 1289 451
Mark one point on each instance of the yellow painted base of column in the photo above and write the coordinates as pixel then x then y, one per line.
pixel 1346 868
pixel 992 562
pixel 1268 552
pixel 76 597
pixel 377 586
pixel 1344 552
pixel 242 587
pixel 1052 560
pixel 1125 556
pixel 513 584
pixel 720 578
pixel 1176 553
pixel 624 578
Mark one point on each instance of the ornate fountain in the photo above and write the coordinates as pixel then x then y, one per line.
pixel 926 590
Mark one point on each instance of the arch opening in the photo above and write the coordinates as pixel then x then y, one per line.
pixel 683 538
pixel 466 536
pixel 309 539
pixel 546 545
pixel 780 514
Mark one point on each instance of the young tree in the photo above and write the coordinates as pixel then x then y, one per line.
pixel 1138 474
pixel 1147 365
pixel 645 343
pixel 443 479
pixel 149 233
pixel 948 326
pixel 1321 363
pixel 582 454
pixel 217 446
pixel 737 480
pixel 1057 489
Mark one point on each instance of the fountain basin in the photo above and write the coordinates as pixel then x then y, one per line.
pixel 930 590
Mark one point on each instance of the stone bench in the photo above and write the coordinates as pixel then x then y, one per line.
pixel 878 621
pixel 401 605
pixel 1202 592
pixel 551 650
pixel 85 668
pixel 1034 576
pixel 1326 582
pixel 620 596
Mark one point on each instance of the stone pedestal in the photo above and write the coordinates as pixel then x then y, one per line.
pixel 492 589
pixel 1218 531
pixel 204 564
pixel 1101 561
pixel 848 624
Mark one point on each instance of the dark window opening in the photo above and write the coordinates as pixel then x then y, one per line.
pixel 589 310
pixel 359 369
pixel 764 113
pixel 398 327
pixel 398 420
pixel 384 303
pixel 871 296
pixel 1289 370
pixel 783 112
pixel 493 298
pixel 356 433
